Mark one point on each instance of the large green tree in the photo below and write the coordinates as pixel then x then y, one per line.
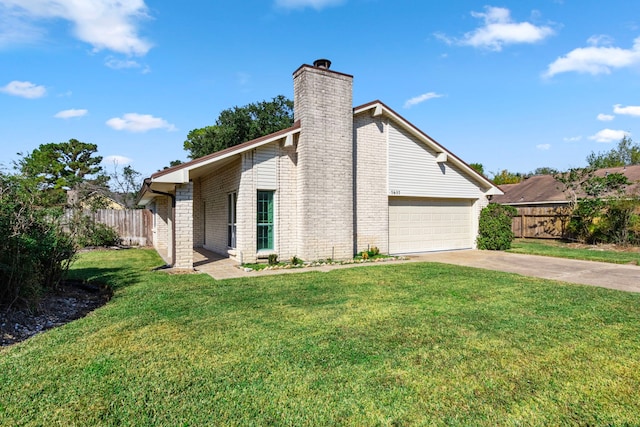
pixel 624 154
pixel 58 167
pixel 240 124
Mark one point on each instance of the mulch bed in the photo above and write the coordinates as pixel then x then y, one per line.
pixel 73 300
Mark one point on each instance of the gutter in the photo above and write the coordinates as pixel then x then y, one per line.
pixel 146 186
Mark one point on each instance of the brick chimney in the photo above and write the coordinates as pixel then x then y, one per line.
pixel 323 102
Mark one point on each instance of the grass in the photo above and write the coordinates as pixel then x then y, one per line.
pixel 556 248
pixel 410 344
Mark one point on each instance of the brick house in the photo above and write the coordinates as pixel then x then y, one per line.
pixel 337 182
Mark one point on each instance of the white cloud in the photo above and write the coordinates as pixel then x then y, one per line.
pixel 595 60
pixel 14 30
pixel 600 40
pixel 24 89
pixel 118 64
pixel 605 117
pixel 301 4
pixel 68 114
pixel 421 98
pixel 543 147
pixel 499 30
pixel 116 160
pixel 609 135
pixel 134 122
pixel 123 64
pixel 572 139
pixel 105 24
pixel 630 110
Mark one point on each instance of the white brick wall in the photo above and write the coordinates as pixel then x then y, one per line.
pixel 323 104
pixel 372 216
pixel 184 226
pixel 161 217
pixel 212 206
pixel 198 214
pixel 286 198
pixel 247 210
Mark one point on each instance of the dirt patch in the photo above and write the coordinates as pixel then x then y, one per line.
pixel 605 247
pixel 74 299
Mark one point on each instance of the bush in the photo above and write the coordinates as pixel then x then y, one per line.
pixel 35 253
pixel 495 227
pixel 87 232
pixel 605 221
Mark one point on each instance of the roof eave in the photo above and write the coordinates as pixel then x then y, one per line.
pixel 181 174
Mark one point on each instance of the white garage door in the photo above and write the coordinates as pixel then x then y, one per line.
pixel 421 225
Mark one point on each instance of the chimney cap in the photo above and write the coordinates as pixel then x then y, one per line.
pixel 322 63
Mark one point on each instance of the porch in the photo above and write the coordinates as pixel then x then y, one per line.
pixel 217 266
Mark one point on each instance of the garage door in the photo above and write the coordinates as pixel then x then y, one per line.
pixel 421 225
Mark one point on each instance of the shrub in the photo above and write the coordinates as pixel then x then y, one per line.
pixel 35 252
pixel 605 221
pixel 87 232
pixel 273 259
pixel 495 227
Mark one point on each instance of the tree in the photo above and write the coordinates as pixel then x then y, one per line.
pixel 57 167
pixel 240 124
pixel 601 210
pixel 506 177
pixel 126 183
pixel 478 167
pixel 545 170
pixel 626 153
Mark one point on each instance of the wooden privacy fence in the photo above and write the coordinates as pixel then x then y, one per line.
pixel 134 226
pixel 544 222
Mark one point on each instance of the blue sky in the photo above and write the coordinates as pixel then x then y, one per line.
pixel 512 85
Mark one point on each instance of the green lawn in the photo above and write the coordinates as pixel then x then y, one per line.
pixel 561 249
pixel 404 344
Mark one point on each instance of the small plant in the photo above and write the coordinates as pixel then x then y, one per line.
pixel 374 250
pixel 273 259
pixel 365 255
pixel 296 261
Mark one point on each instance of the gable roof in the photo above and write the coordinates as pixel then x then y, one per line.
pixel 163 181
pixel 378 108
pixel 545 189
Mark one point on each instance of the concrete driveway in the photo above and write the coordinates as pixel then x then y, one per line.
pixel 614 276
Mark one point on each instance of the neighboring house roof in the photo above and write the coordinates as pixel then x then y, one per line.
pixel 535 189
pixel 545 189
pixel 163 181
pixel 111 201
